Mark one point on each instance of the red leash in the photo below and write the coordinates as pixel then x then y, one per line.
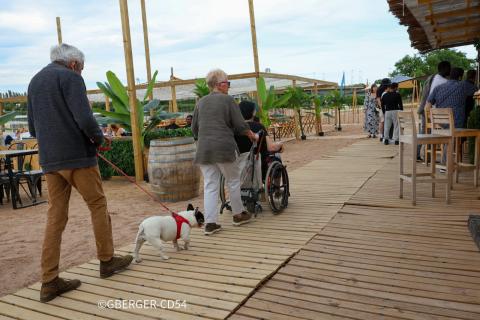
pixel 128 177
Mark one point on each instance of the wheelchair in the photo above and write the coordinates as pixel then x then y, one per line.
pixel 274 186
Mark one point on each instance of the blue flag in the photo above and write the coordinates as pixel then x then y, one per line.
pixel 342 84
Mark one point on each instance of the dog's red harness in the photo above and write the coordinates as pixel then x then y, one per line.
pixel 179 220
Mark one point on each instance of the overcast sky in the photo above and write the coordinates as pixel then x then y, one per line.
pixel 313 38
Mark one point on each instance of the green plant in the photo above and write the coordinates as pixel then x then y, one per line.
pixel 337 100
pixel 270 100
pixel 116 91
pixel 162 133
pixel 298 100
pixel 121 153
pixel 201 88
pixel 7 117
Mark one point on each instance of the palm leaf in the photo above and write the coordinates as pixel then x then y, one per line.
pixel 117 87
pixel 120 118
pixel 262 90
pixel 150 86
pixel 118 104
pixel 7 117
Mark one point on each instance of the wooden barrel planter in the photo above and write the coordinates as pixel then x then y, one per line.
pixel 172 174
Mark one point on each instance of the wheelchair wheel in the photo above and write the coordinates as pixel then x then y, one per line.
pixel 277 187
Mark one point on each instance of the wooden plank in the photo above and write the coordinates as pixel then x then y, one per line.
pixel 18 312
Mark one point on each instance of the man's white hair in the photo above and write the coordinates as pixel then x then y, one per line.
pixel 66 53
pixel 215 76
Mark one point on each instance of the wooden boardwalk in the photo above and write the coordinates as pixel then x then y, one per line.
pixel 346 248
pixel 381 258
pixel 220 272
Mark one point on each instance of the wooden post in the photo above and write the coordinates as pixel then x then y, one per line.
pixel 2 127
pixel 296 115
pixel 147 47
pixel 318 117
pixel 132 94
pixel 174 92
pixel 107 104
pixel 253 31
pixel 59 31
pixel 354 106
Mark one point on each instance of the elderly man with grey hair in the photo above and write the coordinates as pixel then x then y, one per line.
pixel 59 116
pixel 216 119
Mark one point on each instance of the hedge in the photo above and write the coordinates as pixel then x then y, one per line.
pixel 121 154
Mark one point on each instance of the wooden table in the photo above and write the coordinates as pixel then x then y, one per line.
pixel 457 135
pixel 9 154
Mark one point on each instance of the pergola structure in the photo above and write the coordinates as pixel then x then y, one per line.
pixel 435 24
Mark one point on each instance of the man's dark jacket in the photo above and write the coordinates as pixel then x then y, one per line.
pixel 59 116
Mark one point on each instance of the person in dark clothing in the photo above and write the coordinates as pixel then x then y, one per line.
pixel 59 116
pixel 391 104
pixel 383 87
pixel 470 102
pixel 267 146
pixel 8 140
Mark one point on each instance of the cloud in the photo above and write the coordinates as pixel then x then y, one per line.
pixel 308 37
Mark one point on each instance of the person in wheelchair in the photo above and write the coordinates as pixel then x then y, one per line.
pixel 268 149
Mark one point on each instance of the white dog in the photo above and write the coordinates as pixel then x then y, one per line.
pixel 165 228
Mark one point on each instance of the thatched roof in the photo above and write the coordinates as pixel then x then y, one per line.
pixel 434 24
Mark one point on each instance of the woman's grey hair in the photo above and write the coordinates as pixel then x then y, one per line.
pixel 215 76
pixel 66 53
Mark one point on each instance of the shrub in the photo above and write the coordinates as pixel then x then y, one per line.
pixel 162 133
pixel 121 154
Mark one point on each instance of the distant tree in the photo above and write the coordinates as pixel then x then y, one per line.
pixel 425 64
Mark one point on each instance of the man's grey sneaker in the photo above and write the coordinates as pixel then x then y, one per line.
pixel 443 170
pixel 242 218
pixel 108 268
pixel 56 287
pixel 211 228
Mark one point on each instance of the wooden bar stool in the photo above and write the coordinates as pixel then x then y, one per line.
pixel 443 123
pixel 408 135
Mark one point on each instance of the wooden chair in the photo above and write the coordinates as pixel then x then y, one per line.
pixel 408 135
pixel 5 187
pixel 31 176
pixel 443 123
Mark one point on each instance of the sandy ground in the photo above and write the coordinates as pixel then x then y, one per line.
pixel 21 231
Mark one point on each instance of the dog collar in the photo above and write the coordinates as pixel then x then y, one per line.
pixel 179 220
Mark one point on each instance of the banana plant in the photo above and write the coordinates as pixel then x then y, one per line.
pixel 298 100
pixel 338 101
pixel 201 88
pixel 270 100
pixel 116 91
pixel 320 103
pixel 7 117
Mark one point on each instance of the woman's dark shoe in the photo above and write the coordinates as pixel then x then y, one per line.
pixel 211 228
pixel 56 287
pixel 108 268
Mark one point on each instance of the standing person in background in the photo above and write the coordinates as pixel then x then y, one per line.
pixel 215 121
pixel 452 94
pixel 371 112
pixel 59 116
pixel 431 83
pixel 391 103
pixel 383 87
pixel 470 85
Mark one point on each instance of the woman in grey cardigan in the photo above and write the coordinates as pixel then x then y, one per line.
pixel 215 121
